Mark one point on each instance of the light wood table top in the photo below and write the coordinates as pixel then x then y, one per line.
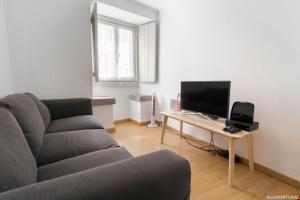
pixel 200 122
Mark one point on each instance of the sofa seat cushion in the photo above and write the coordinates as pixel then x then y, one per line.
pixel 29 118
pixel 81 122
pixel 83 162
pixel 17 164
pixel 63 145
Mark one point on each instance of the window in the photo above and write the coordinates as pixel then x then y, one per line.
pixel 115 49
pixel 116 52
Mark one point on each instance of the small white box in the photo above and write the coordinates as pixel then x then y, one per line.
pixel 140 108
pixel 103 111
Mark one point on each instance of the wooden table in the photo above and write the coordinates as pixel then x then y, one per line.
pixel 217 128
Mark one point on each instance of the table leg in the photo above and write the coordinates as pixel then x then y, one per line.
pixel 231 161
pixel 181 127
pixel 250 152
pixel 164 129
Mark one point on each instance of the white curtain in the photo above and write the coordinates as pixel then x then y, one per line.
pixel 148 52
pixel 125 54
pixel 107 52
pixel 115 52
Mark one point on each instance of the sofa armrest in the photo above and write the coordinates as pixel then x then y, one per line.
pixel 63 108
pixel 161 175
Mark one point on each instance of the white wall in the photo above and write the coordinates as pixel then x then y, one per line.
pixel 50 47
pixel 256 45
pixel 5 70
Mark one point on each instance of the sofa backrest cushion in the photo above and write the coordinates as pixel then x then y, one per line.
pixel 17 164
pixel 45 113
pixel 29 118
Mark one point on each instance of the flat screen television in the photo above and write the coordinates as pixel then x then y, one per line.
pixel 207 97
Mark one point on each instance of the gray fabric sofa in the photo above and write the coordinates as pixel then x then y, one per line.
pixel 56 149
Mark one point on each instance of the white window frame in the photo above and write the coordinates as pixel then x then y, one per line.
pixel 124 25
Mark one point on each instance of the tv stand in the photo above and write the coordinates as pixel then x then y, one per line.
pixel 214 128
pixel 210 119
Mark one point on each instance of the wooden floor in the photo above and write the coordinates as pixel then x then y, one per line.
pixel 209 173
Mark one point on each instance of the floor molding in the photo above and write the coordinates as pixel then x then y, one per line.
pixel 121 121
pixel 258 167
pixel 111 130
pixel 140 123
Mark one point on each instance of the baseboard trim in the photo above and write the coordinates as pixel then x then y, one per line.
pixel 111 130
pixel 140 123
pixel 270 172
pixel 121 121
pixel 284 178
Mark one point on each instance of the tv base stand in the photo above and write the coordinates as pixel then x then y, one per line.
pixel 215 128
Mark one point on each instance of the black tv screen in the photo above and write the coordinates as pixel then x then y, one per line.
pixel 207 97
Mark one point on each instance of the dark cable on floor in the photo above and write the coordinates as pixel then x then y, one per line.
pixel 211 147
